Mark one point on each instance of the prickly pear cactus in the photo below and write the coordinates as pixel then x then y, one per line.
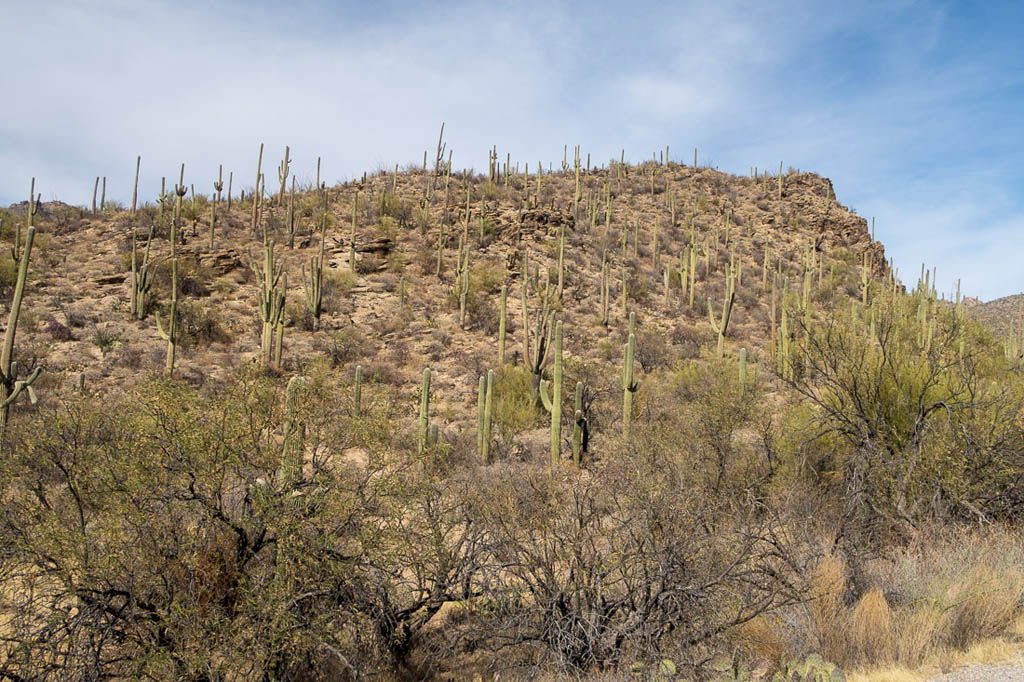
pixel 811 669
pixel 664 671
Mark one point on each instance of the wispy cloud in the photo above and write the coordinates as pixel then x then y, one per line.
pixel 908 106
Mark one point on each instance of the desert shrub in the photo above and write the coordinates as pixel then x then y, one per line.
pixel 77 318
pixel 369 263
pixel 343 346
pixel 514 409
pixel 59 332
pixel 482 308
pixel 908 415
pixel 337 283
pixel 922 604
pixel 301 316
pixel 189 577
pixel 199 325
pixel 716 410
pixel 688 339
pixel 105 338
pixel 612 618
pixel 8 276
pixel 653 350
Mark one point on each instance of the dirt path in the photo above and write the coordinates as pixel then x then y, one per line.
pixel 979 672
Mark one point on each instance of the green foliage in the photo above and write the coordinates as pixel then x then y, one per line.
pixel 190 556
pixel 198 325
pixel 8 274
pixel 105 338
pixel 514 409
pixel 344 345
pixel 340 282
pixel 482 306
pixel 922 413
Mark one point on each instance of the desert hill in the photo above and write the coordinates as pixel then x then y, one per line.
pixel 721 441
pixel 1001 315
pixel 396 310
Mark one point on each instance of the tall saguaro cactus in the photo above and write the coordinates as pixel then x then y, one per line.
pixel 553 402
pixel 256 191
pixel 502 324
pixel 541 335
pixel 483 419
pixel 170 333
pixel 141 280
pixel 352 243
pixel 629 384
pixel 273 284
pixel 357 399
pixel 135 186
pixel 313 284
pixel 283 170
pixel 580 428
pixel 424 411
pixel 722 327
pixel 10 386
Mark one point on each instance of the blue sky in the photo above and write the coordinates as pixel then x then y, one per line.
pixel 911 108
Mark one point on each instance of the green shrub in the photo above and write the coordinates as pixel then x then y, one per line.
pixel 514 411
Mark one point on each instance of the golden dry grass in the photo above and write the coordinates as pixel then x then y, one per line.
pixel 951 599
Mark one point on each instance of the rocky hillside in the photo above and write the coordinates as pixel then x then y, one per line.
pixel 396 309
pixel 1002 315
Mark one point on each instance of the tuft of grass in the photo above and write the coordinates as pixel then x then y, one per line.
pixel 952 597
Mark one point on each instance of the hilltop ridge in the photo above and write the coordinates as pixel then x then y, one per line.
pixel 77 324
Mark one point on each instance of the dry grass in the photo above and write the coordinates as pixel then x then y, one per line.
pixel 951 598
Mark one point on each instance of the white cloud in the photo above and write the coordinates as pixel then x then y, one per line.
pixel 871 95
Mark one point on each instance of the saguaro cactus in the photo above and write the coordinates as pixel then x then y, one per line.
pixel 282 174
pixel 352 243
pixel 535 353
pixel 483 419
pixel 502 323
pixel 629 384
pixel 424 411
pixel 313 284
pixel 553 401
pixel 170 333
pixel 580 429
pixel 135 186
pixel 256 190
pixel 270 304
pixel 141 279
pixel 358 398
pixel 722 327
pixel 743 369
pixel 10 386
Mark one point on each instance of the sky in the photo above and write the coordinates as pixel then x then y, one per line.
pixel 911 108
